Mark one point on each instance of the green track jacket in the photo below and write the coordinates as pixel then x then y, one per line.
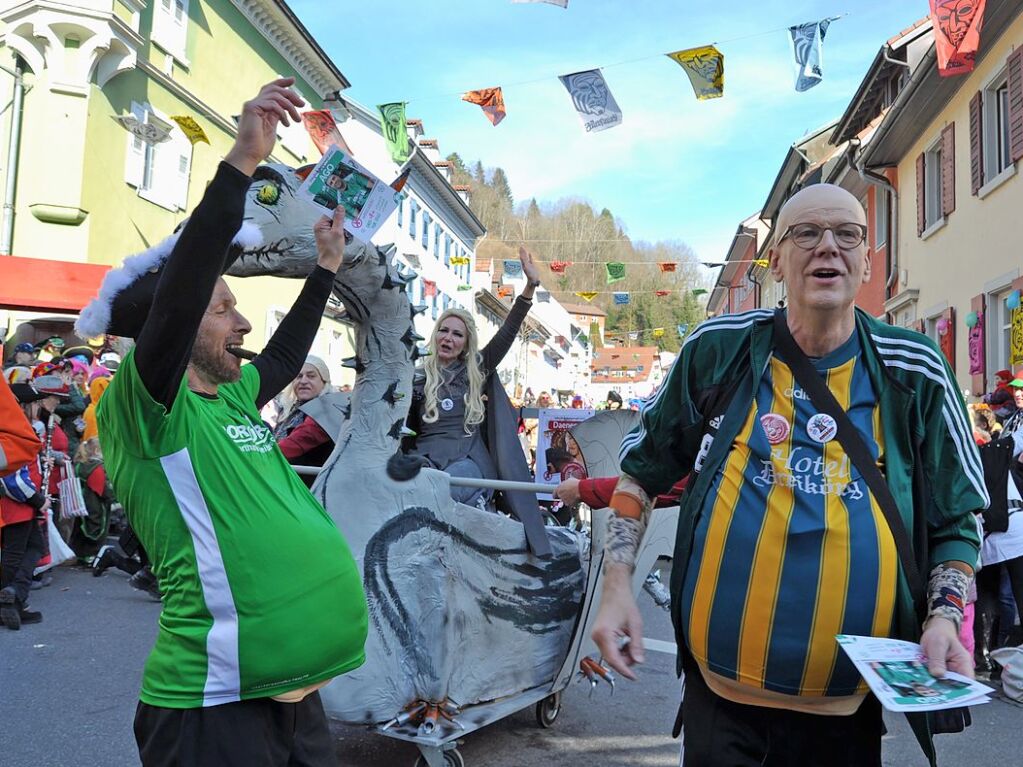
pixel 931 461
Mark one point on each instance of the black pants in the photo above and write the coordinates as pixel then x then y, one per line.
pixel 719 733
pixel 21 546
pixel 249 733
pixel 989 586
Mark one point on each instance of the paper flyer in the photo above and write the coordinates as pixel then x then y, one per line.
pixel 556 450
pixel 338 179
pixel 897 674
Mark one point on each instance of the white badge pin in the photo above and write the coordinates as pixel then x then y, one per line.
pixel 821 427
pixel 447 404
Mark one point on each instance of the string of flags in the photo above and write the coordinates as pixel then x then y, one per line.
pixel 561 267
pixel 635 335
pixel 597 107
pixel 624 297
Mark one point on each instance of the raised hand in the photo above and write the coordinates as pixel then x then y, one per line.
pixel 529 267
pixel 330 239
pixel 275 103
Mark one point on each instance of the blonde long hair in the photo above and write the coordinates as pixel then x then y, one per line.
pixel 474 412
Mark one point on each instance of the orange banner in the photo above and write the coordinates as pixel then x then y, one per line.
pixel 957 25
pixel 323 130
pixel 491 100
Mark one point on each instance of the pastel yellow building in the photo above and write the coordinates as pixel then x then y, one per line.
pixel 956 143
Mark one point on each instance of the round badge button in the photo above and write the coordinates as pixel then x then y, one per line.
pixel 447 404
pixel 821 428
pixel 776 427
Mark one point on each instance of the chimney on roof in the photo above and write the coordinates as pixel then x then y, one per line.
pixel 414 128
pixel 463 191
pixel 430 148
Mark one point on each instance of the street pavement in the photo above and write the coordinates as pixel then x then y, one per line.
pixel 68 689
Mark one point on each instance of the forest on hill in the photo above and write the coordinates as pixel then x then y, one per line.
pixel 571 231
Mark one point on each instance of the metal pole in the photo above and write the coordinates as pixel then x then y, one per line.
pixel 489 484
pixel 11 181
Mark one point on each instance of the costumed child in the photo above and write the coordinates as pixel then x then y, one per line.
pixel 89 532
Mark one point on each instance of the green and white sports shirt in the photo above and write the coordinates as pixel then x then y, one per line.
pixel 261 593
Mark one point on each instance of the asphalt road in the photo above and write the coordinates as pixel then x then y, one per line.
pixel 68 689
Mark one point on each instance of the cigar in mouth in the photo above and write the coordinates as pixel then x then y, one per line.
pixel 241 353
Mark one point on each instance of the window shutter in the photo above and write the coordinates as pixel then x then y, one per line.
pixel 135 157
pixel 1015 77
pixel 921 207
pixel 947 342
pixel 977 352
pixel 948 169
pixel 182 151
pixel 976 142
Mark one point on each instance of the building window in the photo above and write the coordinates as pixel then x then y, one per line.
pixel 412 208
pixel 160 172
pixel 170 27
pixel 997 155
pixel 433 309
pixel 882 214
pixel 447 250
pixel 425 236
pixel 999 331
pixel 932 185
pixel 401 210
pixel 436 240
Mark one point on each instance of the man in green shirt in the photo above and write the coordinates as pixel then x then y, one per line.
pixel 263 603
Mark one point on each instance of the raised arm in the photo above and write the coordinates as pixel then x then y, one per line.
pixel 164 345
pixel 280 361
pixel 499 345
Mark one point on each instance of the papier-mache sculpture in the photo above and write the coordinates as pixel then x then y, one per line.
pixel 460 612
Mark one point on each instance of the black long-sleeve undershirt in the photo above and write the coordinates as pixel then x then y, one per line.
pixel 164 344
pixel 503 339
pixel 285 353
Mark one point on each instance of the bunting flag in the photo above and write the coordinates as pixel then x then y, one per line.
pixel 662 293
pixel 559 3
pixel 762 262
pixel 615 271
pixel 706 69
pixel 592 99
pixel 193 131
pixel 633 335
pixel 512 268
pixel 149 133
pixel 682 329
pixel 465 287
pixel 543 297
pixel 322 129
pixel 657 332
pixel 392 122
pixel 559 267
pixel 698 291
pixel 458 260
pixel 587 295
pixel 504 291
pixel 490 100
pixel 621 299
pixel 807 50
pixel 957 26
pixel 667 266
pixel 429 288
pixel 595 339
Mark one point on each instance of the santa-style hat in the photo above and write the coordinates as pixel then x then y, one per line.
pixel 126 294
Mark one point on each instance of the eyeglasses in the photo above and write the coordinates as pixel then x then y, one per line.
pixel 809 236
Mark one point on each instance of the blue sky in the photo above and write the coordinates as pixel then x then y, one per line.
pixel 676 168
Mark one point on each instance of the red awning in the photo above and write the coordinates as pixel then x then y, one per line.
pixel 39 284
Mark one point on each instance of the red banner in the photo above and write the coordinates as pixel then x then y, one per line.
pixel 429 288
pixel 504 291
pixel 559 267
pixel 323 130
pixel 667 266
pixel 957 25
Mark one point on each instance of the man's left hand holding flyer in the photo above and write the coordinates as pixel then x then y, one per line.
pixel 337 180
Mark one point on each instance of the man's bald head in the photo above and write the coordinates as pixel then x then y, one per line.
pixel 822 198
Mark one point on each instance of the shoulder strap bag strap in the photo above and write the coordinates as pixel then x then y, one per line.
pixel 849 438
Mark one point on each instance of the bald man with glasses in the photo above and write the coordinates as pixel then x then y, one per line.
pixel 832 485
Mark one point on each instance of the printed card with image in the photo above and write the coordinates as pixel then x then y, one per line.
pixel 337 180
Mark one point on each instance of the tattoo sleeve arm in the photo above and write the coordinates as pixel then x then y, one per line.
pixel 631 506
pixel 947 587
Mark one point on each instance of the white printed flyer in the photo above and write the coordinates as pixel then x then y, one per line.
pixel 897 674
pixel 337 180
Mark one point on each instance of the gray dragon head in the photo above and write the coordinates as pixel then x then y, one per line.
pixel 368 283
